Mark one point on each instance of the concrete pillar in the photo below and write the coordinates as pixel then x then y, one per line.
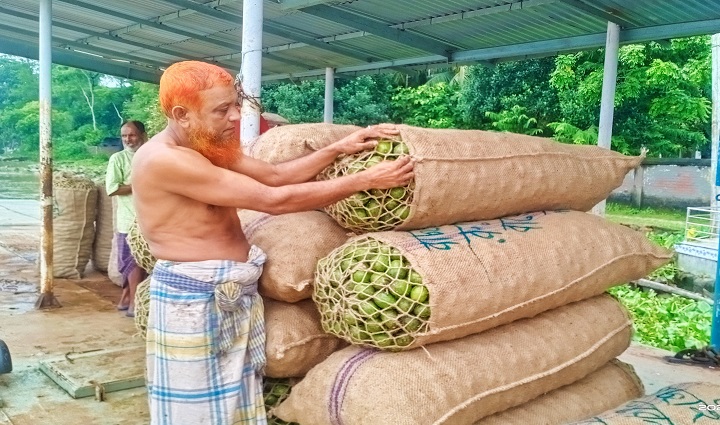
pixel 252 27
pixel 329 92
pixel 607 103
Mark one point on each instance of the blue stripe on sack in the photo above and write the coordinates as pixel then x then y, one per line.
pixel 342 380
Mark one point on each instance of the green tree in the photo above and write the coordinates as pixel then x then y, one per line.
pixel 143 105
pixel 515 121
pixel 427 106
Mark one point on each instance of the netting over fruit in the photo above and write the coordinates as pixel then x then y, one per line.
pixel 375 209
pixel 142 306
pixel 368 294
pixel 66 180
pixel 275 391
pixel 139 249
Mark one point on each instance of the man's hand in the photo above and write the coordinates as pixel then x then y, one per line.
pixel 366 138
pixel 389 174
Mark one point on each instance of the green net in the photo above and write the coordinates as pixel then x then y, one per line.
pixel 375 209
pixel 368 294
pixel 140 249
pixel 142 307
pixel 275 391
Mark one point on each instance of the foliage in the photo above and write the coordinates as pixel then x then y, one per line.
pixel 433 105
pixel 500 87
pixel 661 100
pixel 143 105
pixel 515 121
pixel 669 322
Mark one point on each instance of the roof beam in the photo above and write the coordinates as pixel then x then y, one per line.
pixel 92 50
pixel 79 60
pixel 380 29
pixel 273 28
pixel 299 4
pixel 104 36
pixel 598 12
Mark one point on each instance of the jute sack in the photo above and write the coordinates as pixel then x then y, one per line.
pixel 73 224
pixel 688 403
pixel 459 382
pixel 275 391
pixel 466 175
pixel 287 142
pixel 295 341
pixel 102 245
pixel 612 385
pixel 399 290
pixel 293 243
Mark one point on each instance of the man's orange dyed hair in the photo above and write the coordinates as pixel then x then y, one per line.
pixel 182 82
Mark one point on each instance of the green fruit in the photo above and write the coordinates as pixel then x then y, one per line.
pixel 384 146
pixel 271 400
pixel 356 199
pixel 364 290
pixel 400 287
pixel 350 318
pixel 361 276
pixel 373 208
pixel 397 192
pixel 356 334
pixel 377 193
pixel 389 319
pixel 422 311
pixel 419 293
pixel 415 277
pixel 382 262
pixel 382 283
pixel 403 212
pixel 410 324
pixel 355 167
pixel 405 305
pixel 280 390
pixel 345 264
pixel 391 205
pixel 360 213
pixel 382 339
pixel 373 326
pixel 368 308
pixel 404 340
pixel 401 148
pixel 337 328
pixel 384 300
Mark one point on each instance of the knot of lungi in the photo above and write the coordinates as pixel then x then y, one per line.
pixel 234 288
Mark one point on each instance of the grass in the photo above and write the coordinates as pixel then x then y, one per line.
pixel 662 218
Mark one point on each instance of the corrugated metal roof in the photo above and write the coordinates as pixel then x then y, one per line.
pixel 352 36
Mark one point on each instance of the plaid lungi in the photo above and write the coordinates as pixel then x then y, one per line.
pixel 206 342
pixel 126 261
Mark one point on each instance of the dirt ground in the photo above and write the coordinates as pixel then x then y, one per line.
pixel 88 321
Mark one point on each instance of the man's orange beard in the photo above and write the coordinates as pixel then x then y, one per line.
pixel 221 151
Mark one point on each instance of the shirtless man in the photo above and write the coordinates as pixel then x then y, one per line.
pixel 206 337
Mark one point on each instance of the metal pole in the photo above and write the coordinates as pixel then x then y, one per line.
pixel 47 298
pixel 252 27
pixel 607 103
pixel 329 91
pixel 715 332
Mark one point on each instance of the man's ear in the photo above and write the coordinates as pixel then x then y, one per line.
pixel 180 115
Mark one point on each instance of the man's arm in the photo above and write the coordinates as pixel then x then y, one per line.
pixel 189 174
pixel 114 178
pixel 304 169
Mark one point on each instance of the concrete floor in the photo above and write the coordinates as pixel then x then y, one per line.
pixel 89 321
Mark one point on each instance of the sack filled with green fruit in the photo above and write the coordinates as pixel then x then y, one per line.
pixel 398 290
pixel 466 175
pixel 288 142
pixel 275 391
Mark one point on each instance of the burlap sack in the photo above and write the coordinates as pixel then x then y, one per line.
pixel 275 391
pixel 293 243
pixel 612 385
pixel 75 199
pixel 289 142
pixel 295 341
pixel 102 245
pixel 459 382
pixel 696 403
pixel 466 175
pixel 466 278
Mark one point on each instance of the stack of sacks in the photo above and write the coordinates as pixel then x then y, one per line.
pixel 104 230
pixel 507 307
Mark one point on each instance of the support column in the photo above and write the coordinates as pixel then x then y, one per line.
pixel 329 92
pixel 252 27
pixel 715 332
pixel 47 298
pixel 607 103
